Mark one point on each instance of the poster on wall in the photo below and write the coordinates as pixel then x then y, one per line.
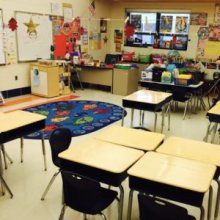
pixel 2 51
pixel 198 18
pixel 214 32
pixel 56 8
pixel 9 46
pixel 34 36
pixel 166 24
pixel 181 24
pixel 67 12
pixel 118 35
pixel 95 41
pixel 217 14
pixel 135 20
pixel 63 36
pixel 103 25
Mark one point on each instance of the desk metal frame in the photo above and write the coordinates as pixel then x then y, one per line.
pixel 19 132
pixel 145 105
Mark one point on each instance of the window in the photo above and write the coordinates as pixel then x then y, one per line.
pixel 160 30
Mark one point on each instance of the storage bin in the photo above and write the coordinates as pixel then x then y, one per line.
pixel 145 58
pixel 183 82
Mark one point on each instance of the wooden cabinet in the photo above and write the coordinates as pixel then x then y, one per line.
pixel 44 80
pixel 125 82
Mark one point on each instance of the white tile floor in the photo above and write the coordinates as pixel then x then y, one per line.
pixel 28 180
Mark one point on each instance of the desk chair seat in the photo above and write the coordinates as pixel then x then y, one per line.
pixel 181 94
pixel 158 209
pixel 59 140
pixel 85 195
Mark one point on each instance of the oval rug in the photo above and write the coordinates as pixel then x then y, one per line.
pixel 80 116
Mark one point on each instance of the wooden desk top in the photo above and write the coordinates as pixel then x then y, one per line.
pixel 129 137
pixel 102 155
pixel 16 119
pixel 215 109
pixel 148 96
pixel 174 171
pixel 191 149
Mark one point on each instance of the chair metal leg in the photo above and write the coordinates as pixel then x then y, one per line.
pixel 130 204
pixel 4 156
pixel 44 151
pixel 123 117
pixel 207 133
pixel 22 148
pixel 132 116
pixel 84 216
pixel 202 215
pixel 155 121
pixel 8 157
pixel 6 186
pixel 217 201
pixel 168 113
pixel 215 126
pixel 210 203
pixel 62 212
pixel 121 203
pixel 49 185
pixel 79 81
pixel 103 216
pixel 142 119
pixel 185 110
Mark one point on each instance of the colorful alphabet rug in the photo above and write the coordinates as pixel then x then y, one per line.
pixel 80 116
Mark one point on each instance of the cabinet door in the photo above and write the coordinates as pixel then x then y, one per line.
pixel 39 81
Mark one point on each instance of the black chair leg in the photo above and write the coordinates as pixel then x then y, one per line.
pixel 62 212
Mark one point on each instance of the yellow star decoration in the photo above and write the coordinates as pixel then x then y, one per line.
pixel 31 26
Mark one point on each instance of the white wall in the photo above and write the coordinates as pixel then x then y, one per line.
pixel 80 8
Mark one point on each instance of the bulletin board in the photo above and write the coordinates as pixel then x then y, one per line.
pixel 209 41
pixel 34 36
pixel 2 53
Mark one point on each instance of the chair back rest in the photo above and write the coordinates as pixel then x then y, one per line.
pixel 153 208
pixel 79 192
pixel 59 140
pixel 179 92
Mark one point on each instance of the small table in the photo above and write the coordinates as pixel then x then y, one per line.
pixel 102 161
pixel 195 150
pixel 195 89
pixel 173 178
pixel 16 124
pixel 214 118
pixel 129 137
pixel 147 100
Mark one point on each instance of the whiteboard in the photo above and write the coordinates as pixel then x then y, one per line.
pixel 2 51
pixel 34 36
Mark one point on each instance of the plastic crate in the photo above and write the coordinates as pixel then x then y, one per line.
pixel 183 82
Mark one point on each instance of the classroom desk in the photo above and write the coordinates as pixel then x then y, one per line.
pixel 195 150
pixel 102 161
pixel 129 137
pixel 173 178
pixel 194 89
pixel 16 124
pixel 147 100
pixel 96 75
pixel 214 119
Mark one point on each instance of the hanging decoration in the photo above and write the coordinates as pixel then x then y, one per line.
pixel 12 24
pixel 129 30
